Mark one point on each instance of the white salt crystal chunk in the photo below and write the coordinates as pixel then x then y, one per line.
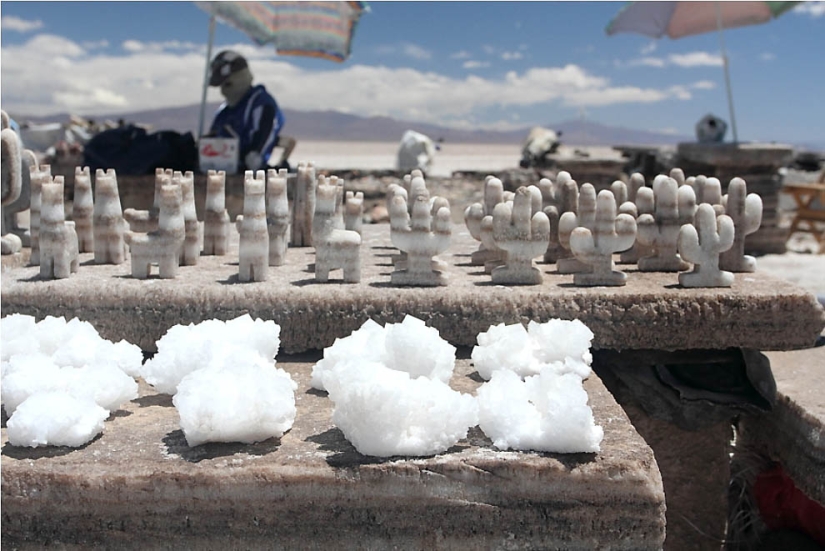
pixel 384 412
pixel 505 347
pixel 559 339
pixel 545 412
pixel 247 402
pixel 124 355
pixel 367 343
pixel 28 374
pixel 105 385
pixel 419 350
pixel 17 336
pixel 55 419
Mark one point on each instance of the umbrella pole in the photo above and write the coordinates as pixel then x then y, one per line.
pixel 206 75
pixel 727 74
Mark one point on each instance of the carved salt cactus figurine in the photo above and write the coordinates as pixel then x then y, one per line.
pixel 354 211
pixel 422 237
pixel 253 248
pixel 523 237
pixel 39 176
pixel 620 193
pixel 559 197
pixel 163 244
pixel 610 234
pixel 109 224
pixel 584 217
pixel 58 239
pixel 702 243
pixel 215 215
pixel 277 218
pixel 303 208
pixel 83 210
pixel 144 221
pixel 674 206
pixel 335 247
pixel 707 190
pixel 635 208
pixel 745 209
pixel 475 213
pixel 679 175
pixel 12 168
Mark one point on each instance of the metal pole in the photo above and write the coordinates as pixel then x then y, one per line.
pixel 206 75
pixel 727 75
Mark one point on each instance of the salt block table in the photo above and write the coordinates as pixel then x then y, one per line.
pixel 651 312
pixel 139 486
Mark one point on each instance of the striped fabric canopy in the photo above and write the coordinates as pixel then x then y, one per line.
pixel 315 29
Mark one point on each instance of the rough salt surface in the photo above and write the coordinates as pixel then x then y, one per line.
pixel 410 346
pixel 545 412
pixel 35 423
pixel 239 399
pixel 384 412
pixel 560 345
pixel 184 349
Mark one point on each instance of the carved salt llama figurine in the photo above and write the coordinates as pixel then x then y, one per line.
pixel 422 237
pixel 674 206
pixel 162 245
pixel 610 234
pixel 558 197
pixel 475 213
pixel 83 210
pixel 303 207
pixel 635 208
pixel 215 215
pixel 277 220
pixel 523 235
pixel 335 247
pixel 191 249
pixel 354 211
pixel 253 251
pixel 745 209
pixel 38 176
pixel 58 239
pixel 144 221
pixel 12 168
pixel 109 224
pixel 701 243
pixel 583 217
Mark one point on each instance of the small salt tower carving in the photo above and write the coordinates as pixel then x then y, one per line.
pixel 584 217
pixel 277 219
pixel 12 168
pixel 610 234
pixel 702 243
pixel 303 208
pixel 475 213
pixel 38 176
pixel 83 209
pixel 144 221
pixel 191 249
pixel 673 206
pixel 335 247
pixel 354 211
pixel 58 239
pixel 558 197
pixel 745 209
pixel 253 251
pixel 421 236
pixel 215 216
pixel 523 235
pixel 109 224
pixel 635 209
pixel 163 244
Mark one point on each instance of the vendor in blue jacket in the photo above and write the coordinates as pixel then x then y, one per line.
pixel 249 113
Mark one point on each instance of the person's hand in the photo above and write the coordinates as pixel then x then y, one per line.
pixel 253 160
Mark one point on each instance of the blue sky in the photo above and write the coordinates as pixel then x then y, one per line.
pixel 498 65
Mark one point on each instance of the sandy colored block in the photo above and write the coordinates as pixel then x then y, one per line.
pixel 140 486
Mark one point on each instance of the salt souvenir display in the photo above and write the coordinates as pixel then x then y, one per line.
pixel 35 423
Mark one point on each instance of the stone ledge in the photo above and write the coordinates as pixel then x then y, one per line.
pixel 650 312
pixel 138 486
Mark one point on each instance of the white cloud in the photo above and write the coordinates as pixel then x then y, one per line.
pixel 649 48
pixel 704 85
pixel 510 56
pixel 488 49
pixel 695 59
pixel 767 56
pixel 812 9
pixel 463 54
pixel 11 23
pixel 648 62
pixel 406 49
pixel 473 64
pixel 133 46
pixel 89 45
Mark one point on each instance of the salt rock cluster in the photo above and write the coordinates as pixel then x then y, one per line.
pixel 60 379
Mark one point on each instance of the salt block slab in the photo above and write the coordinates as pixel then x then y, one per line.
pixel 138 486
pixel 651 312
pixel 794 432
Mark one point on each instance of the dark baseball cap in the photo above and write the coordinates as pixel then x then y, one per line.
pixel 225 63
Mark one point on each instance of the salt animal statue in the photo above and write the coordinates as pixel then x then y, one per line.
pixel 523 235
pixel 558 197
pixel 215 216
pixel 303 208
pixel 335 247
pixel 475 213
pixel 191 249
pixel 421 236
pixel 583 217
pixel 354 211
pixel 83 210
pixel 12 179
pixel 701 243
pixel 253 251
pixel 38 176
pixel 635 209
pixel 745 209
pixel 58 239
pixel 162 245
pixel 673 206
pixel 109 225
pixel 610 234
pixel 144 221
pixel 277 219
